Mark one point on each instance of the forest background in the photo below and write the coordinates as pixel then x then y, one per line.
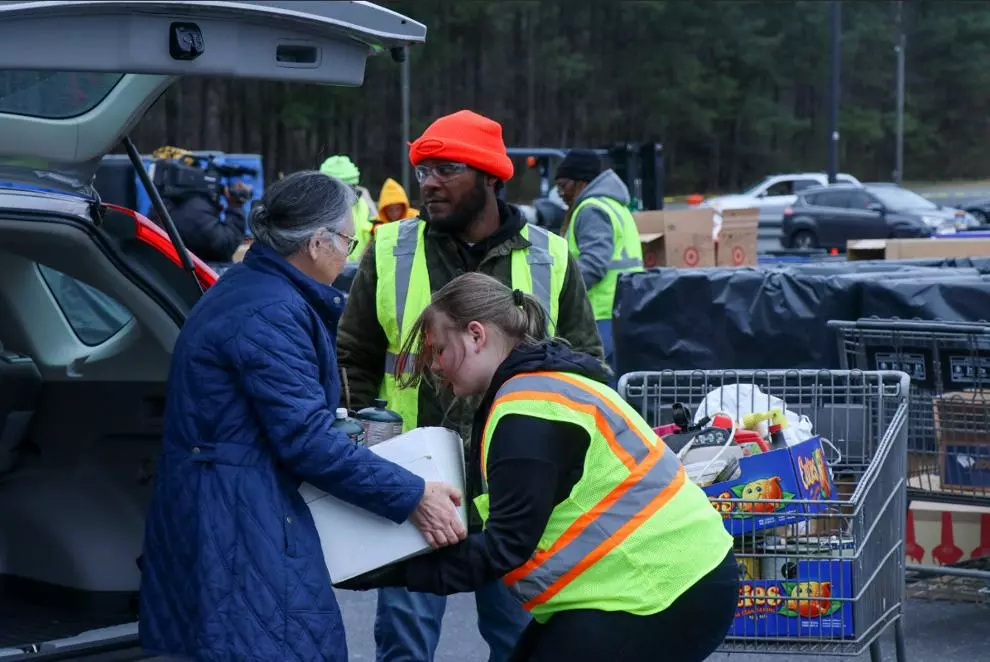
pixel 734 90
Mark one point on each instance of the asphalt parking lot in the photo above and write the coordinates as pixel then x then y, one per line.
pixel 935 631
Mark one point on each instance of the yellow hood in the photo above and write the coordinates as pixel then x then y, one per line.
pixel 393 194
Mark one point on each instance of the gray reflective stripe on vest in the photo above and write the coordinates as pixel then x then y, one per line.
pixel 614 210
pixel 392 359
pixel 405 253
pixel 585 546
pixel 540 261
pixel 629 440
pixel 625 263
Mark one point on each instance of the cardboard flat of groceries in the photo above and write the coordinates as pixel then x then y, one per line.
pixel 911 249
pixel 356 541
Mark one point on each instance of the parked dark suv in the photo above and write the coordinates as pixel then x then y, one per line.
pixel 827 217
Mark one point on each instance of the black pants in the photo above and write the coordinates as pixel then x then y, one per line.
pixel 688 631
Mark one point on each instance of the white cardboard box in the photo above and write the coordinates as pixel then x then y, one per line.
pixel 356 541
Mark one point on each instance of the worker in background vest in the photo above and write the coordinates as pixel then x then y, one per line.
pixel 601 232
pixel 460 162
pixel 343 168
pixel 590 520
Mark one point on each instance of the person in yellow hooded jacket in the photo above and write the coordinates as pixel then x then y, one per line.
pixel 343 168
pixel 393 203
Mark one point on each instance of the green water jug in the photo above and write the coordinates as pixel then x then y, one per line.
pixel 349 426
pixel 380 423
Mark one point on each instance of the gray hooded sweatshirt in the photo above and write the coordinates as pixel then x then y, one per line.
pixel 593 229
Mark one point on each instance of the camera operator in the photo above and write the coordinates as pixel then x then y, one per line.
pixel 193 201
pixel 197 218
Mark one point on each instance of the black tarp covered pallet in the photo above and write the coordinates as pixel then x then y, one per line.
pixel 775 317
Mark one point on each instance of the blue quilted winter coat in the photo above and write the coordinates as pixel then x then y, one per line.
pixel 232 567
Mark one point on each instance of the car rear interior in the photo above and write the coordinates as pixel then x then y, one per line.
pixel 84 360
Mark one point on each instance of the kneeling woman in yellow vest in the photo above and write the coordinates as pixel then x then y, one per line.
pixel 589 519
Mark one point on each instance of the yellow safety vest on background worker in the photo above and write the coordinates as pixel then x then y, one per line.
pixel 341 167
pixel 404 292
pixel 627 252
pixel 363 229
pixel 635 532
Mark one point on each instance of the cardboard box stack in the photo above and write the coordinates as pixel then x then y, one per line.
pixel 684 238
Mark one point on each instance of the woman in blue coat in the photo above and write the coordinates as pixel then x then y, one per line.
pixel 232 567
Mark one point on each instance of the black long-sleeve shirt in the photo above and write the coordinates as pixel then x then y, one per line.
pixel 197 218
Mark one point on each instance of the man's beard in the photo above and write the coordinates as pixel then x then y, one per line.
pixel 465 213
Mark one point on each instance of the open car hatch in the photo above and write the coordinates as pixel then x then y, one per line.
pixel 75 77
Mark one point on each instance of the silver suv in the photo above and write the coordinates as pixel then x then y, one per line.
pixel 775 192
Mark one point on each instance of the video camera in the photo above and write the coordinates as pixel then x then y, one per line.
pixel 193 174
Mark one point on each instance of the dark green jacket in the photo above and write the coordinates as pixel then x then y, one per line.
pixel 361 342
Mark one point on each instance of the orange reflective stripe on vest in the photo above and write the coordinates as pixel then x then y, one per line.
pixel 655 476
pixel 626 442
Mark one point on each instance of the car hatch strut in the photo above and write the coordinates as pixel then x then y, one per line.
pixel 159 205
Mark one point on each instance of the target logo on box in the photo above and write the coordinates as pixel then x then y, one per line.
pixel 691 256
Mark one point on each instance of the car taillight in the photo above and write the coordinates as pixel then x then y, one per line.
pixel 147 232
pixel 788 211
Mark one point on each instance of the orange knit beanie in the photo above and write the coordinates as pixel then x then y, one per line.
pixel 465 137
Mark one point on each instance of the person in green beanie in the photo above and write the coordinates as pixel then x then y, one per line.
pixel 341 167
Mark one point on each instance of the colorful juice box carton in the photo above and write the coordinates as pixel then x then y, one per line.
pixel 795 473
pixel 812 600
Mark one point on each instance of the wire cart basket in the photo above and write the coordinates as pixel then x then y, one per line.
pixel 820 572
pixel 948 418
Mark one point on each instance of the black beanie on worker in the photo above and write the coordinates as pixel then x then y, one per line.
pixel 581 165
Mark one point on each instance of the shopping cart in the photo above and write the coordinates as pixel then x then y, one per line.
pixel 949 417
pixel 824 576
pixel 948 420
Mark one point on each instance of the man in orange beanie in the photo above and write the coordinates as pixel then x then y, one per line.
pixel 461 164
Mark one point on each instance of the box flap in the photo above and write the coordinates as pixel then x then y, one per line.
pixel 741 219
pixel 866 244
pixel 649 221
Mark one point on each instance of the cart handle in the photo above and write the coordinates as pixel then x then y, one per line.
pixel 877 324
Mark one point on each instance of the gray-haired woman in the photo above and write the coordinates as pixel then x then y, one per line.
pixel 232 566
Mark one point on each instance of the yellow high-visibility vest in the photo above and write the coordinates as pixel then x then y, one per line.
pixel 634 533
pixel 627 252
pixel 404 292
pixel 363 229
